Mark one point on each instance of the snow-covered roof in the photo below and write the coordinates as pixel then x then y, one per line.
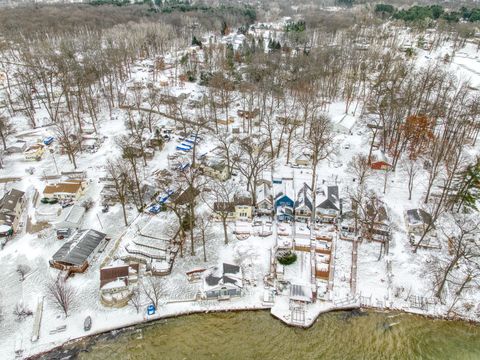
pixel 304 197
pixel 285 189
pixel 74 214
pixel 418 217
pixel 345 122
pixel 228 274
pixel 327 198
pixel 77 250
pixel 300 293
pixel 263 193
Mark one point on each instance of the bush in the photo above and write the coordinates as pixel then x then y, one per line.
pixel 287 258
pixel 384 8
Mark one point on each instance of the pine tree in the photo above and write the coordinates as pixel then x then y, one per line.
pixel 467 187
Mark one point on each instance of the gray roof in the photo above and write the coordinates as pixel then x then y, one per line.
pixel 300 293
pixel 10 200
pixel 229 275
pixel 418 216
pixel 77 250
pixel 304 197
pixel 230 269
pixel 332 200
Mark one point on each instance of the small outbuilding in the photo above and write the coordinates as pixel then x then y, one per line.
pixel 380 161
pixel 417 221
pixel 72 218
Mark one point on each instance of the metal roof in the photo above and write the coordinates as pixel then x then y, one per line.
pixel 300 293
pixel 77 250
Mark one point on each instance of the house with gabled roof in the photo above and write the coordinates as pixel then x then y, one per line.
pixel 264 199
pixel 284 193
pixel 66 190
pixel 303 160
pixel 223 282
pixel 303 205
pixel 379 161
pixel 328 201
pixel 11 208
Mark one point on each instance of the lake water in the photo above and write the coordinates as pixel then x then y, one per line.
pixel 257 335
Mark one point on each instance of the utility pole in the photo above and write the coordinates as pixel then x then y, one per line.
pixel 98 217
pixel 54 161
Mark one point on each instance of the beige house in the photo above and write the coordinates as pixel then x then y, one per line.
pixel 243 208
pixel 11 208
pixel 68 190
pixel 34 152
pixel 238 209
pixel 215 168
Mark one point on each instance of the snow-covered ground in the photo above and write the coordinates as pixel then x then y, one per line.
pixel 386 281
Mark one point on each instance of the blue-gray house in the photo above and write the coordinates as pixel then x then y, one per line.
pixel 284 194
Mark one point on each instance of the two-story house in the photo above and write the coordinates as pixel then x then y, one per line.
pixel 11 208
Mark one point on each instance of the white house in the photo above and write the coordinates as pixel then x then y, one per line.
pixel 264 198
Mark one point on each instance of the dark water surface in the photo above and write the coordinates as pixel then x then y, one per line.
pixel 257 335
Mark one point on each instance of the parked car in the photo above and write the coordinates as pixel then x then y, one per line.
pixel 154 209
pixel 48 140
pixel 66 203
pixel 105 209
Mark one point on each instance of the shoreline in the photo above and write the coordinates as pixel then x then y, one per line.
pixel 151 321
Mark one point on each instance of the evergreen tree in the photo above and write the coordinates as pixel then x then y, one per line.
pixel 467 187
pixel 196 42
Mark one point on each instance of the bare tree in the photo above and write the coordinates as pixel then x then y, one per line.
pixel 62 295
pixel 463 247
pixel 359 166
pixel 317 142
pixel 152 288
pixel 252 159
pixel 5 129
pixel 411 168
pixel 69 138
pixel 135 299
pixel 221 202
pixel 22 270
pixel 117 171
pixel 130 154
pixel 204 225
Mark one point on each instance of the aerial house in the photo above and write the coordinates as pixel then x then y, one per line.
pixel 76 255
